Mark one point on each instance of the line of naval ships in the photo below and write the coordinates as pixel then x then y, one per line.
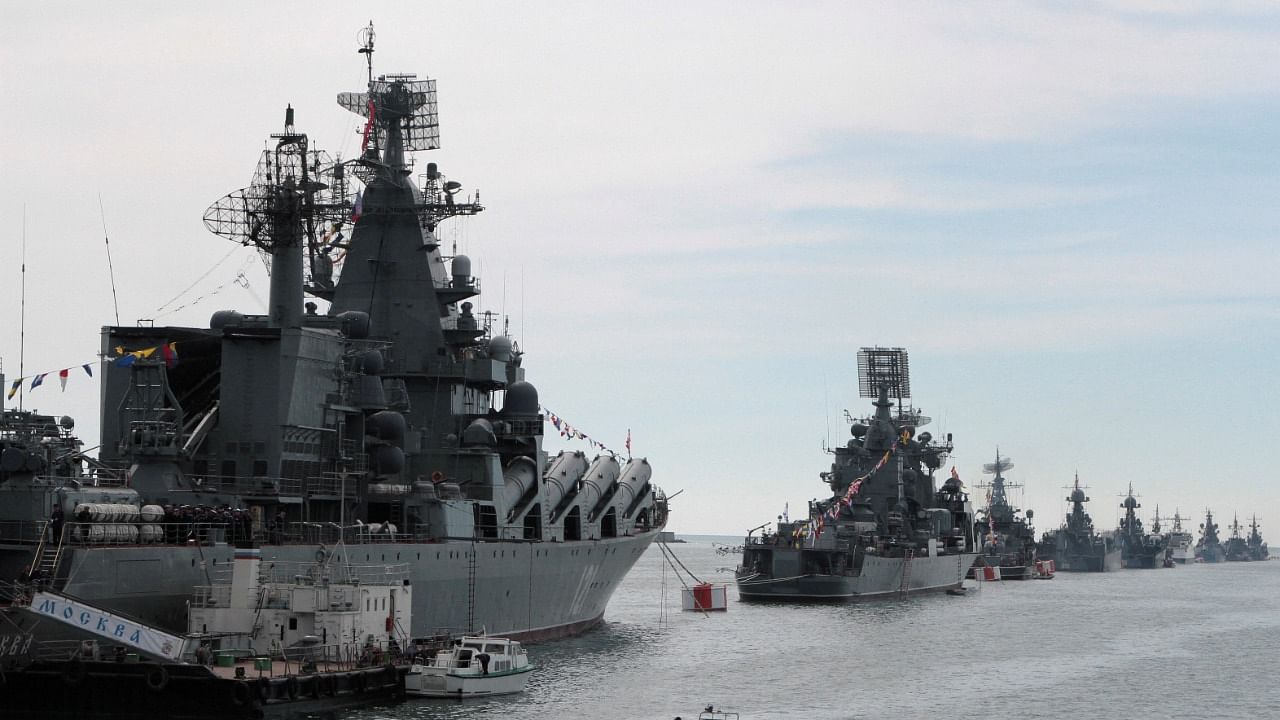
pixel 888 528
pixel 398 424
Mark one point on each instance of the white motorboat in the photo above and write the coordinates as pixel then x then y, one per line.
pixel 471 667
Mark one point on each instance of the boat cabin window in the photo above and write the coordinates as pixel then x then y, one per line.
pixel 495 649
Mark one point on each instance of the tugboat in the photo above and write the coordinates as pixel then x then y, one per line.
pixel 1181 542
pixel 1257 546
pixel 1076 547
pixel 373 405
pixel 1208 548
pixel 1237 548
pixel 886 530
pixel 1138 549
pixel 1008 540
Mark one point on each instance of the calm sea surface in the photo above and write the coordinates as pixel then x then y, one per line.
pixel 1197 641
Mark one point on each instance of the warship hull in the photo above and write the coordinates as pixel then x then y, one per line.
pixel 1015 571
pixel 1105 562
pixel 529 591
pixel 1144 562
pixel 878 577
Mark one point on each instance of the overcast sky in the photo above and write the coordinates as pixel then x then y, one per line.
pixel 698 212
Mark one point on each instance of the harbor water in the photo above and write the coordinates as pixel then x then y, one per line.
pixel 1196 641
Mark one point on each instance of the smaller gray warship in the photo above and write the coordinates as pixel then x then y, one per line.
pixel 886 529
pixel 1139 549
pixel 1257 546
pixel 1008 540
pixel 1209 549
pixel 1181 542
pixel 1076 546
pixel 1237 548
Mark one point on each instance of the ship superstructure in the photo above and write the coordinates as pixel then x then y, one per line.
pixel 886 529
pixel 398 421
pixel 1076 546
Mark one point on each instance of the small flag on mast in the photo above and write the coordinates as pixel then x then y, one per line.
pixel 62 378
pixel 13 389
pixel 628 443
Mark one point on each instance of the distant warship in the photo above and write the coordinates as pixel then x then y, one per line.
pixel 1181 542
pixel 886 529
pixel 1139 549
pixel 1236 547
pixel 1257 546
pixel 1008 541
pixel 396 424
pixel 1209 549
pixel 1076 547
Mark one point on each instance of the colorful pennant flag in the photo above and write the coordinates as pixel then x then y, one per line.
pixel 13 389
pixel 62 378
pixel 38 380
pixel 87 370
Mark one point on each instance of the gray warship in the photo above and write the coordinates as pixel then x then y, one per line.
pixel 1008 541
pixel 1140 549
pixel 1209 548
pixel 1076 546
pixel 1237 547
pixel 886 529
pixel 394 426
pixel 1180 541
pixel 1257 546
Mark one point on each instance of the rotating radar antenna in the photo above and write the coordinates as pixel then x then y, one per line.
pixel 1002 464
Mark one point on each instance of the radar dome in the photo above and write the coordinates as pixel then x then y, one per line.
pixel 355 324
pixel 522 399
pixel 1077 495
pixel 461 266
pixel 67 422
pixel 500 348
pixel 225 318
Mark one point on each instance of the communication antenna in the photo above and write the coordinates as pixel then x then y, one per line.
pixel 22 315
pixel 111 271
pixel 366 37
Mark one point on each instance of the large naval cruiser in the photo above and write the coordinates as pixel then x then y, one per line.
pixel 1139 549
pixel 394 426
pixel 886 529
pixel 1008 540
pixel 1209 548
pixel 1076 546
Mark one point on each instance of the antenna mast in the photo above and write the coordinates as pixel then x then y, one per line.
pixel 111 271
pixel 22 316
pixel 367 37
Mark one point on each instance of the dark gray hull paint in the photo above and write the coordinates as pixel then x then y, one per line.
pixel 879 577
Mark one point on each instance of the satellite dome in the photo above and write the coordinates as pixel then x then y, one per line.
pixel 369 362
pixel 1130 503
pixel 66 422
pixel 1077 495
pixel 225 318
pixel 461 266
pixel 500 348
pixel 522 399
pixel 355 324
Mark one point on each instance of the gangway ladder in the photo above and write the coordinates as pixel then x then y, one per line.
pixel 471 589
pixel 46 561
pixel 906 572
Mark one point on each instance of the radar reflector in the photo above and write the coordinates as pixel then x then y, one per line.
pixel 884 367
